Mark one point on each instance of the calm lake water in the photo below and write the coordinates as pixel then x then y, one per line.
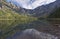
pixel 9 28
pixel 46 26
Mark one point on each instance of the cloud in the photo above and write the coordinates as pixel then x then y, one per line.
pixel 30 4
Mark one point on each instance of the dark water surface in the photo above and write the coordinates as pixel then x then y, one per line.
pixel 46 26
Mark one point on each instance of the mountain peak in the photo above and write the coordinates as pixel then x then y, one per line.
pixel 30 4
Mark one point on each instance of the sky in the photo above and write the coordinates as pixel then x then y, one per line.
pixel 30 4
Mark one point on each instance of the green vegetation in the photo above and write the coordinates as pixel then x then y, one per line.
pixel 55 14
pixel 9 19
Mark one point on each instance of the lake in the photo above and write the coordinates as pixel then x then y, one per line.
pixel 45 25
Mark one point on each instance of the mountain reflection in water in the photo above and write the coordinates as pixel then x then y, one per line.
pixel 47 26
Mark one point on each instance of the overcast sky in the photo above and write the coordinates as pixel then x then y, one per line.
pixel 30 4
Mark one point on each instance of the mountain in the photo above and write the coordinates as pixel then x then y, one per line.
pixel 55 14
pixel 14 19
pixel 9 19
pixel 30 4
pixel 44 10
pixel 41 11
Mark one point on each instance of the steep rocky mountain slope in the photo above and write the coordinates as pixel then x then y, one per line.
pixel 9 19
pixel 30 4
pixel 11 15
pixel 42 11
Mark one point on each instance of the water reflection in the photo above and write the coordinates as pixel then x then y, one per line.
pixel 8 26
pixel 54 21
pixel 13 26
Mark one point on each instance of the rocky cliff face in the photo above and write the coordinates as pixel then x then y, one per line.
pixel 43 11
pixel 30 4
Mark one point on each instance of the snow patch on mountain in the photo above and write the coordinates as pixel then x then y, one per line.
pixel 30 4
